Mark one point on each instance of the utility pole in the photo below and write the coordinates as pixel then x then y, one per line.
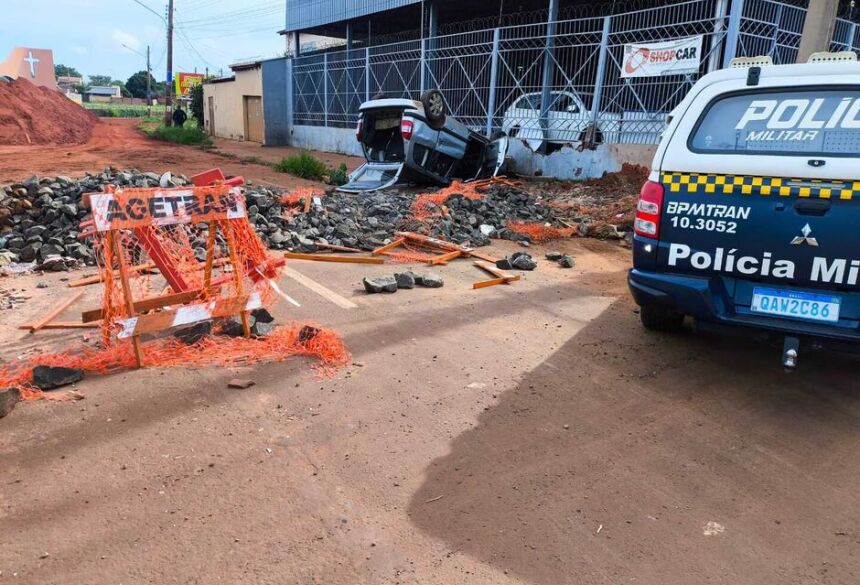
pixel 817 28
pixel 148 84
pixel 168 114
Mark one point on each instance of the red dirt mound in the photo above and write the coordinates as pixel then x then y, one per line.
pixel 31 114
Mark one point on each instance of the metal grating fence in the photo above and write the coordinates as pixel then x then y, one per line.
pixel 558 82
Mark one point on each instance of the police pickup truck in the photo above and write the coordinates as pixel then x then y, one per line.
pixel 751 214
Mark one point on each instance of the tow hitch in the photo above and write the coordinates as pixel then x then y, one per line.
pixel 790 348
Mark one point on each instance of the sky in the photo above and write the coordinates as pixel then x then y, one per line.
pixel 100 37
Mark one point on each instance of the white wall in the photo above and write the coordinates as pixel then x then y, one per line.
pixel 229 106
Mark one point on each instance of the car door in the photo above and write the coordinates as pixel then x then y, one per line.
pixel 566 118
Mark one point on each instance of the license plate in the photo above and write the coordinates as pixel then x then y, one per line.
pixel 799 305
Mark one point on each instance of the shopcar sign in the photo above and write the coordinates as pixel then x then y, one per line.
pixel 675 57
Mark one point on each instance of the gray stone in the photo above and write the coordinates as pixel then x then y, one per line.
pixel 261 329
pixel 9 397
pixel 380 284
pixel 28 253
pixel 405 280
pixel 566 261
pixel 193 334
pixel 523 262
pixel 48 377
pixel 554 256
pixel 430 280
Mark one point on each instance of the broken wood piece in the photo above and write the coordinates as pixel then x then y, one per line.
pixel 389 246
pixel 443 245
pixel 333 258
pixel 149 303
pixel 59 308
pixel 98 277
pixel 64 325
pixel 185 315
pixel 445 258
pixel 502 276
pixel 336 248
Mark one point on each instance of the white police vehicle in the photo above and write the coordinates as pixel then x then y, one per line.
pixel 751 215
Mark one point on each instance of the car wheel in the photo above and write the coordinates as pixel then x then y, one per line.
pixel 434 107
pixel 598 135
pixel 660 319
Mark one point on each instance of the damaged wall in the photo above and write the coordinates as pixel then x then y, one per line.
pixel 569 163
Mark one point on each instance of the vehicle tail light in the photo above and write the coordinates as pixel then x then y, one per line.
pixel 406 127
pixel 359 130
pixel 648 210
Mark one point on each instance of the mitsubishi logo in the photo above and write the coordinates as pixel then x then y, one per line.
pixel 806 238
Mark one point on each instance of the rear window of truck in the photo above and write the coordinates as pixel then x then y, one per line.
pixel 781 122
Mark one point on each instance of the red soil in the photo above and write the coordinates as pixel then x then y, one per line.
pixel 31 114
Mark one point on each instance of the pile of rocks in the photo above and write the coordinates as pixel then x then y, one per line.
pixel 369 220
pixel 39 218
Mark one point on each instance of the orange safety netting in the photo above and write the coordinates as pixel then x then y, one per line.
pixel 408 253
pixel 181 248
pixel 430 205
pixel 299 201
pixel 284 342
pixel 539 232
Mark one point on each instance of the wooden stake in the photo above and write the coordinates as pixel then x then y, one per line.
pixel 210 256
pixel 129 301
pixel 98 278
pixel 59 308
pixel 387 247
pixel 334 258
pixel 227 227
pixel 64 325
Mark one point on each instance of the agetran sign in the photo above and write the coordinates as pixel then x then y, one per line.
pixel 675 57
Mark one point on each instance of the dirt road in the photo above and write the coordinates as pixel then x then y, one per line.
pixel 528 434
pixel 117 142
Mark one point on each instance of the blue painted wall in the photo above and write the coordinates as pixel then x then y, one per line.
pixel 303 14
pixel 275 104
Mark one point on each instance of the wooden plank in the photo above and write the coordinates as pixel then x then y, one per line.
pixel 64 325
pixel 443 245
pixel 174 317
pixel 495 270
pixel 126 293
pixel 98 278
pixel 52 314
pixel 492 282
pixel 445 258
pixel 148 304
pixel 389 246
pixel 334 258
pixel 336 248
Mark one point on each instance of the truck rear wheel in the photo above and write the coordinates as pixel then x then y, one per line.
pixel 660 319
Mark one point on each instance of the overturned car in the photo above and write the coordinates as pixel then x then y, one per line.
pixel 408 141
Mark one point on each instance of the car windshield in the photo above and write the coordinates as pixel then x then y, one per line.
pixel 782 122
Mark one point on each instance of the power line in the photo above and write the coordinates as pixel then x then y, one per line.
pixel 148 8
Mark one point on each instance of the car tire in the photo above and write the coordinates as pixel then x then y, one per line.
pixel 660 319
pixel 434 108
pixel 598 135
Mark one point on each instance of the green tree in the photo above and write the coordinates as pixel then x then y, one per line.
pixel 196 106
pixel 66 71
pixel 136 84
pixel 100 80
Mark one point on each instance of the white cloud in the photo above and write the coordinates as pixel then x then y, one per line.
pixel 79 50
pixel 120 37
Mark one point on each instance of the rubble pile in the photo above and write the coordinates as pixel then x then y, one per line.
pixel 368 220
pixel 40 217
pixel 30 114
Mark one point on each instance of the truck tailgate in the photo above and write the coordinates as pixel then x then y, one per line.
pixel 775 230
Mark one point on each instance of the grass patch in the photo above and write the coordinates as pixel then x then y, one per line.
pixel 305 166
pixel 190 134
pixel 123 110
